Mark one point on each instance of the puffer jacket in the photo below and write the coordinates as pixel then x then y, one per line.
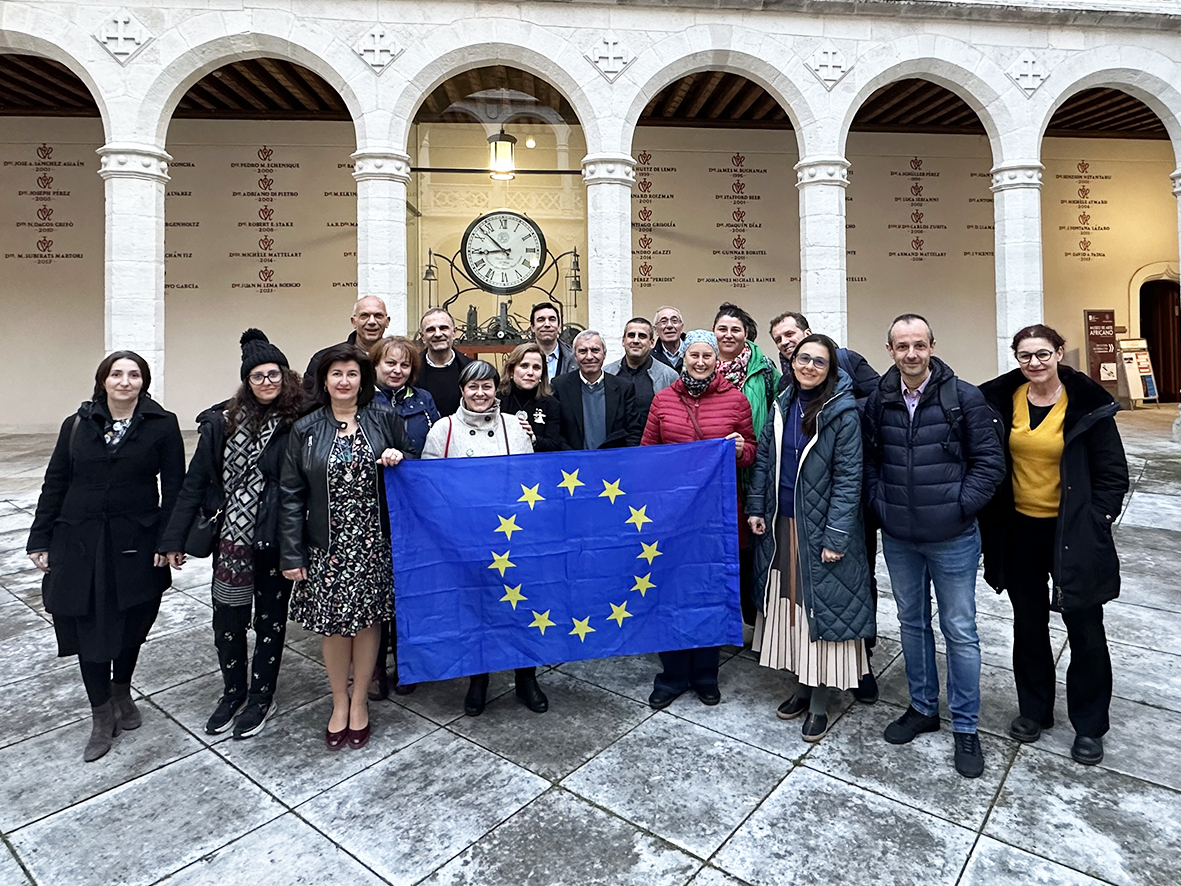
pixel 303 514
pixel 1094 479
pixel 417 408
pixel 927 479
pixel 836 596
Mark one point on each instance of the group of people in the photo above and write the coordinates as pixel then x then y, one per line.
pixel 285 491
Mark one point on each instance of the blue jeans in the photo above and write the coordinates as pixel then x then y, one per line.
pixel 951 566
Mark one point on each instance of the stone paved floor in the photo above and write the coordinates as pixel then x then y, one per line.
pixel 600 790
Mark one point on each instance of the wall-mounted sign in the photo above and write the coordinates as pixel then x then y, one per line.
pixel 1101 360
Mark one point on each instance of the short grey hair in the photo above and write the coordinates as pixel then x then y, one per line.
pixel 435 311
pixel 910 318
pixel 479 370
pixel 588 333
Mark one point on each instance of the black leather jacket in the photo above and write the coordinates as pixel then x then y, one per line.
pixel 303 508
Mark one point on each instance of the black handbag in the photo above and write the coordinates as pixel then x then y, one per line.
pixel 204 533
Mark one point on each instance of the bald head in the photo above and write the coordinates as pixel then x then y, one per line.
pixel 370 320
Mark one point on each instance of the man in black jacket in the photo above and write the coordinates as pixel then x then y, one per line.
pixel 546 324
pixel 441 362
pixel 597 410
pixel 370 320
pixel 933 459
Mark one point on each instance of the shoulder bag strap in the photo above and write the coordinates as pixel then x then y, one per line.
pixel 504 430
pixel 447 445
pixel 73 437
pixel 692 417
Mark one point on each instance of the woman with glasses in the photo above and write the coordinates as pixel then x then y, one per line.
pixel 235 470
pixel 1047 533
pixel 700 405
pixel 804 506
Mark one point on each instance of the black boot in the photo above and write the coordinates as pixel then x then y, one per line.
pixel 103 731
pixel 477 695
pixel 530 693
pixel 129 716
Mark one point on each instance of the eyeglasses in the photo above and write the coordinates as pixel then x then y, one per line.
pixel 274 377
pixel 669 321
pixel 1043 356
pixel 805 359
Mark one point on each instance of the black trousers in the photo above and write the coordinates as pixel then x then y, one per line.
pixel 97 676
pixel 272 595
pixel 689 667
pixel 1029 555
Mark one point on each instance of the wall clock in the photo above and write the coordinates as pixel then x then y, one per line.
pixel 503 252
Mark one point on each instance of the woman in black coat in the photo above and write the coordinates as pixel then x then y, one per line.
pixel 235 471
pixel 525 392
pixel 1051 519
pixel 334 529
pixel 96 532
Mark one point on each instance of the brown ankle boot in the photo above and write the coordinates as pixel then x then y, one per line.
pixel 104 729
pixel 129 716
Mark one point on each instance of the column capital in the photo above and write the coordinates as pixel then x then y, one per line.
pixel 128 160
pixel 1018 174
pixel 617 169
pixel 381 164
pixel 1176 177
pixel 832 170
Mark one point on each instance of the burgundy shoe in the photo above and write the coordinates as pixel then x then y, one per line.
pixel 358 737
pixel 335 740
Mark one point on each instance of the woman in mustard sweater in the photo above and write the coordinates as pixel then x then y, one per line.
pixel 1051 519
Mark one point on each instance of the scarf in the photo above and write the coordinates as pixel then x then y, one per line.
pixel 734 371
pixel 695 387
pixel 233 571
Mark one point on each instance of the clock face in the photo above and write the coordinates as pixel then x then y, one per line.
pixel 503 251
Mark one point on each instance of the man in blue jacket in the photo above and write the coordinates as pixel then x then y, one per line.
pixel 933 459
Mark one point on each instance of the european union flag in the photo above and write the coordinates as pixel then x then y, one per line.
pixel 511 561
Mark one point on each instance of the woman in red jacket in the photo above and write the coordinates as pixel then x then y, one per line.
pixel 700 405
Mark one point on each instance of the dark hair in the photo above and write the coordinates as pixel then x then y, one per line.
pixel 541 306
pixel 244 409
pixel 643 320
pixel 795 316
pixel 727 309
pixel 1039 330
pixel 510 365
pixel 826 389
pixel 909 318
pixel 479 370
pixel 346 353
pixel 104 370
pixel 383 346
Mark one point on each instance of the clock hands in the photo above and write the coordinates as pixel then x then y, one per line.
pixel 487 251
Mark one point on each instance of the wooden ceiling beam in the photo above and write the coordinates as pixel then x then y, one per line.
pixel 266 81
pixel 329 96
pixel 888 97
pixel 753 92
pixel 924 111
pixel 62 77
pixel 46 92
pixel 701 93
pixel 677 93
pixel 1090 107
pixel 295 93
pixel 238 82
pixel 726 96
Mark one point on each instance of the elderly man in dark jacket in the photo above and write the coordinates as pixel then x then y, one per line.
pixel 933 459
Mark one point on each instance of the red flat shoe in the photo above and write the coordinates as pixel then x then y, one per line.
pixel 335 740
pixel 358 738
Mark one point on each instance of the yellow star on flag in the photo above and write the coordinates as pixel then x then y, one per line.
pixel 582 628
pixel 531 495
pixel 569 481
pixel 541 621
pixel 639 518
pixel 513 595
pixel 643 585
pixel 619 613
pixel 611 491
pixel 501 562
pixel 650 552
pixel 508 527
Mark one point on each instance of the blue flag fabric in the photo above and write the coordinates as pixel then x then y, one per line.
pixel 511 561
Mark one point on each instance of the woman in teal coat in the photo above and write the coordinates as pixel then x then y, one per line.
pixel 804 507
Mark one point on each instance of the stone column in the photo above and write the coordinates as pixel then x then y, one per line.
pixel 609 179
pixel 823 287
pixel 135 177
pixel 1017 210
pixel 382 175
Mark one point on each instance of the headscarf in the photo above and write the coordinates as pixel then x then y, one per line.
pixel 696 386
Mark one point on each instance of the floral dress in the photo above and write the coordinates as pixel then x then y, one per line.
pixel 350 586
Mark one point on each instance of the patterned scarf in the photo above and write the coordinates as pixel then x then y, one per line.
pixel 734 371
pixel 695 387
pixel 233 572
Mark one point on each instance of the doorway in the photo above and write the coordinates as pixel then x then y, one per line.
pixel 1160 325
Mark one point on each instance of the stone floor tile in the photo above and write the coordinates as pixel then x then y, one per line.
pixel 630 675
pixel 689 785
pixel 129 835
pixel 14 540
pixel 1144 741
pixel 996 639
pixel 1152 510
pixel 179 612
pixel 42 702
pixel 24 582
pixel 1157 590
pixel 14 559
pixel 1147 549
pixel 284 852
pixel 876 840
pixel 194 575
pixel 997 864
pixel 1119 829
pixel 176 658
pixel 998 695
pixel 1140 626
pixel 45 774
pixel 991 604
pixel 581 721
pixel 750 695
pixel 920 774
pixel 442 702
pixel 10 869
pixel 14 520
pixel 28 644
pixel 301 681
pixel 289 759
pixel 581 846
pixel 708 876
pixel 1140 675
pixel 451 794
